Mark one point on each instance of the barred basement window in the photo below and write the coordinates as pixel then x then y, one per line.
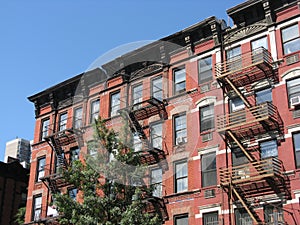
pixel 210 218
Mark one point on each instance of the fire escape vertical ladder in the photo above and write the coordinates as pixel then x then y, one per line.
pixel 246 205
pixel 56 147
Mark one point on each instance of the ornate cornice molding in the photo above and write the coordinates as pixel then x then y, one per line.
pixel 245 31
pixel 147 70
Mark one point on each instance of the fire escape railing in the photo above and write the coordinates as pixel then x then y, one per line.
pixel 139 112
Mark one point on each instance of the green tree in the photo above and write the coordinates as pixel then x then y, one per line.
pixel 105 186
pixel 20 216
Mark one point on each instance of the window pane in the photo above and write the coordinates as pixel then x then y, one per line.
pixel 41 168
pixel 45 128
pixel 73 193
pixel 238 157
pixel 291 39
pixel 242 217
pixel 181 174
pixel 292 46
pixel 207 118
pixel 115 104
pixel 156 135
pixel 63 121
pixel 157 91
pixel 37 207
pixel 205 69
pixel 75 154
pixel 208 168
pixel 78 118
pixel 236 104
pixel 179 80
pixel 296 138
pixel 290 33
pixel 268 149
pixel 137 143
pixel 262 42
pixel 264 96
pixel 137 94
pixel 156 179
pixel 95 107
pixel 182 220
pixel 210 218
pixel 180 128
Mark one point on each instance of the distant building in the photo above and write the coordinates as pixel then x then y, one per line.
pixel 13 190
pixel 20 149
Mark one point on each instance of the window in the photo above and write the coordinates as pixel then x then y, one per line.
pixel 77 123
pixel 37 207
pixel 137 95
pixel 205 69
pixel 181 220
pixel 74 154
pixel 40 168
pixel 179 81
pixel 293 87
pixel 156 180
pixel 209 169
pixel 264 96
pixel 181 177
pixel 242 217
pixel 236 104
pixel 137 143
pixel 207 120
pixel 63 121
pixel 234 60
pixel 156 88
pixel 45 128
pixel 290 39
pixel 95 109
pixel 296 138
pixel 114 104
pixel 273 214
pixel 72 193
pixel 261 42
pixel 156 135
pixel 238 157
pixel 180 129
pixel 210 218
pixel 268 149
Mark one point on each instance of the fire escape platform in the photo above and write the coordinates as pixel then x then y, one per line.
pixel 66 137
pixel 156 205
pixel 148 108
pixel 247 68
pixel 246 174
pixel 251 121
pixel 151 156
pixel 54 182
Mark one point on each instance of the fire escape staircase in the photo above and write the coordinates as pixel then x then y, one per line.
pixel 57 141
pixel 139 112
pixel 234 75
pixel 148 155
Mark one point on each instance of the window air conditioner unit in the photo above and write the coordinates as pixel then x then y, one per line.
pixel 295 100
pixel 181 140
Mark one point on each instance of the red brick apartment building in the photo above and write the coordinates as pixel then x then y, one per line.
pixel 230 130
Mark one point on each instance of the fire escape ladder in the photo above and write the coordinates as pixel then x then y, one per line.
pixel 238 193
pixel 56 147
pixel 241 146
pixel 238 92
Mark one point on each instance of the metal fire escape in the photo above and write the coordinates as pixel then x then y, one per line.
pixel 258 177
pixel 139 112
pixel 148 155
pixel 58 141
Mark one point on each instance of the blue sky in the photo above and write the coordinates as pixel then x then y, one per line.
pixel 45 42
